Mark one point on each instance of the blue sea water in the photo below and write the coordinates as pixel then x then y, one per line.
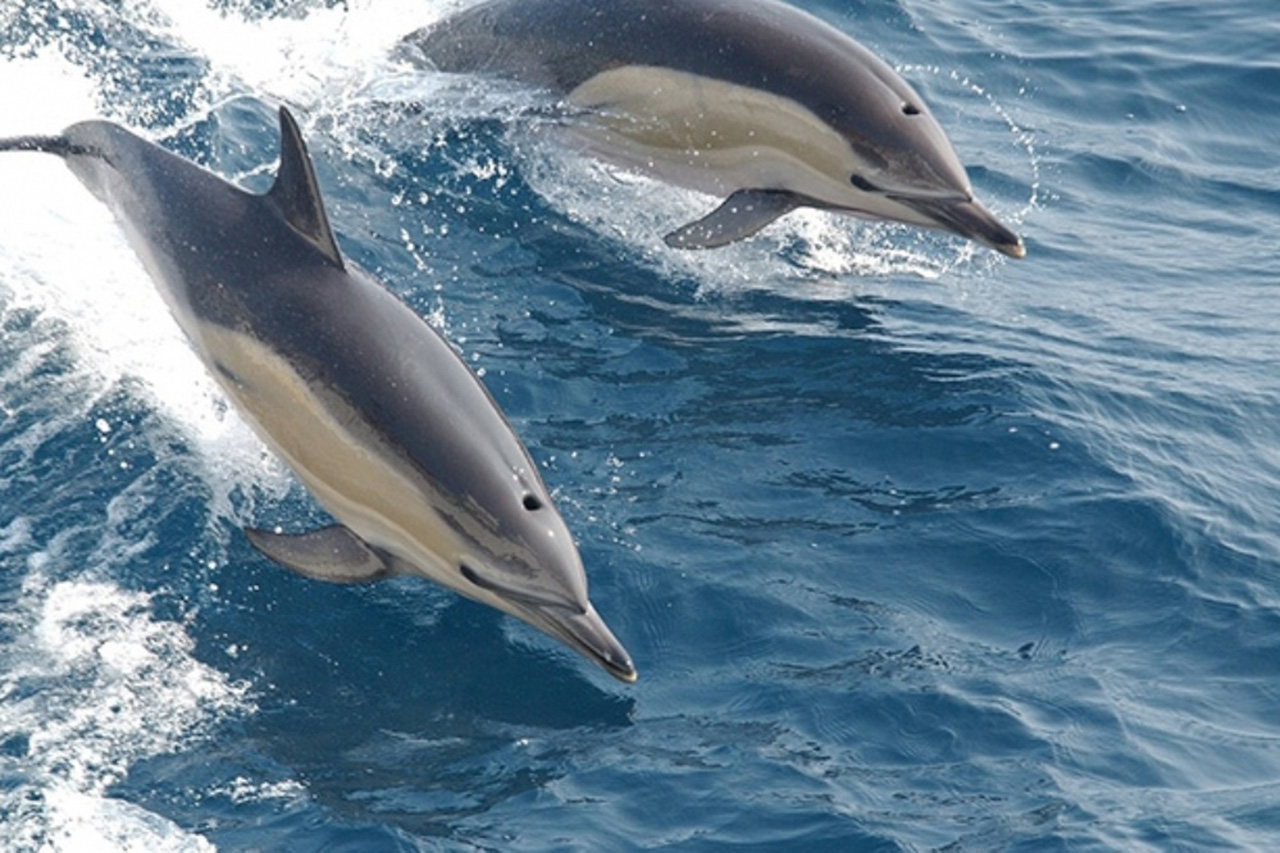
pixel 915 547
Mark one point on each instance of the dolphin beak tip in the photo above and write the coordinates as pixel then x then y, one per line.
pixel 618 664
pixel 1017 250
pixel 587 634
pixel 968 218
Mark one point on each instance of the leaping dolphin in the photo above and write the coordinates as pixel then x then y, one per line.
pixel 370 407
pixel 754 101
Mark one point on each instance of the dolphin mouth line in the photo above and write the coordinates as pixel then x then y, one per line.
pixel 579 628
pixel 592 640
pixel 957 213
pixel 524 599
pixel 965 216
pixel 929 197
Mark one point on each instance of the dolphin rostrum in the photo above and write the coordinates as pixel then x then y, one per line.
pixel 754 101
pixel 368 405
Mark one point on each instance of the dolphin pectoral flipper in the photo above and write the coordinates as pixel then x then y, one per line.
pixel 742 214
pixel 333 554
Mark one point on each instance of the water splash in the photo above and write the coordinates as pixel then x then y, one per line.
pixel 93 684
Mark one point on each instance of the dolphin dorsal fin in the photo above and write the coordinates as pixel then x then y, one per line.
pixel 297 195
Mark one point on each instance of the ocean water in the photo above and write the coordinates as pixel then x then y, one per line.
pixel 915 547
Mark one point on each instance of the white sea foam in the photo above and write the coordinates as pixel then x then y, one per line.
pixel 90 680
pixel 317 58
pixel 64 256
pixel 93 683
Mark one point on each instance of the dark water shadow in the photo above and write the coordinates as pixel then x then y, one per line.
pixel 402 706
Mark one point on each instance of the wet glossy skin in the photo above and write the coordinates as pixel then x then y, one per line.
pixel 727 95
pixel 370 407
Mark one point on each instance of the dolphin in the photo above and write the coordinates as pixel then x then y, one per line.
pixel 753 101
pixel 372 409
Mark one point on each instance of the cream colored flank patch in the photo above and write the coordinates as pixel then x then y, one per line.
pixel 336 455
pixel 745 137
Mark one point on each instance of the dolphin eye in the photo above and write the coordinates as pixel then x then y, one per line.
pixel 531 503
pixel 910 109
pixel 863 184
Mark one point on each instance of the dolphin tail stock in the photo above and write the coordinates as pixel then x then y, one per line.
pixel 59 145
